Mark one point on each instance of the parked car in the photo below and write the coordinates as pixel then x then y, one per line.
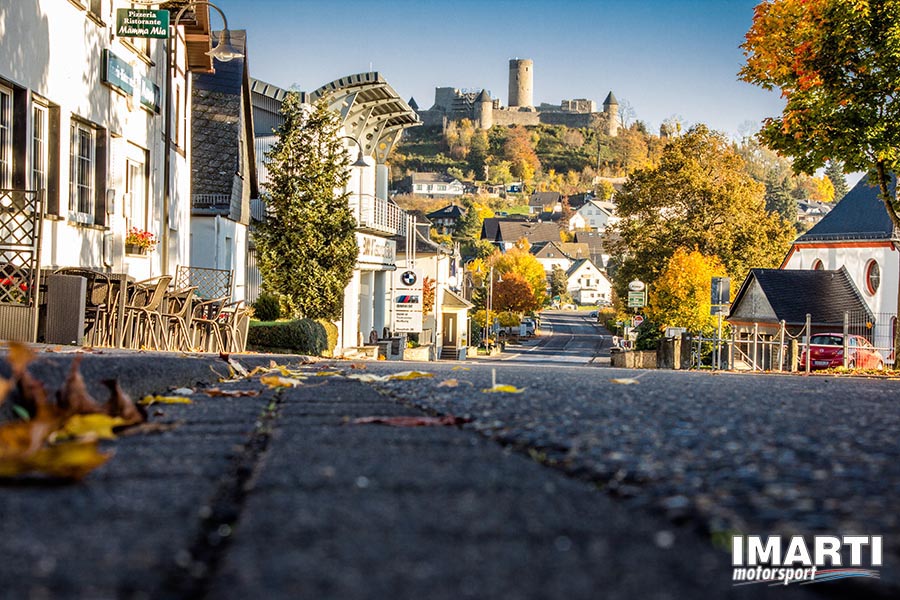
pixel 593 314
pixel 827 351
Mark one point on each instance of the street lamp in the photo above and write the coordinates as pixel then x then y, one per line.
pixel 224 51
pixel 488 304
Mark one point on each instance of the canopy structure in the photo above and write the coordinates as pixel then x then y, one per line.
pixel 371 111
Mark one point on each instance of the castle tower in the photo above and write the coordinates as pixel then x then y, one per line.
pixel 611 109
pixel 484 111
pixel 521 83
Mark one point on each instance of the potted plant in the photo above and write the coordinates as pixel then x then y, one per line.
pixel 139 241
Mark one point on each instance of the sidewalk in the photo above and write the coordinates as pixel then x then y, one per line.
pixel 282 496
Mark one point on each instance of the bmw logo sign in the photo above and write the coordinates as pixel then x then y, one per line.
pixel 408 277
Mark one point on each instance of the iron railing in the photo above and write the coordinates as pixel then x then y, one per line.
pixel 378 215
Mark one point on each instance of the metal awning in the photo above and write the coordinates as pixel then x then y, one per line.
pixel 371 111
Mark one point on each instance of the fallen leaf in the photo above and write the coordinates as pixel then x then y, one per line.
pixel 328 373
pixel 73 398
pixel 120 405
pixel 97 426
pixel 277 381
pixel 358 366
pixel 443 421
pixel 458 368
pixel 234 365
pixel 625 381
pixel 214 392
pixel 70 460
pixel 449 383
pixel 183 391
pixel 503 389
pixel 407 375
pixel 18 357
pixel 257 370
pixel 150 400
pixel 144 428
pixel 5 386
pixel 366 377
pixel 19 439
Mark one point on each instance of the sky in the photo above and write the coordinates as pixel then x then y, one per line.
pixel 674 58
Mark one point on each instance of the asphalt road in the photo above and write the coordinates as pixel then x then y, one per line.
pixel 565 337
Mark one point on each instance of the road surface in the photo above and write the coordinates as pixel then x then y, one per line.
pixel 565 337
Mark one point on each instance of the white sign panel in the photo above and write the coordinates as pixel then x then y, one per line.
pixel 376 251
pixel 407 302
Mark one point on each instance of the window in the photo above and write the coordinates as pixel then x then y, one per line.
pixel 817 265
pixel 873 277
pixel 136 190
pixel 39 142
pixel 81 174
pixel 5 138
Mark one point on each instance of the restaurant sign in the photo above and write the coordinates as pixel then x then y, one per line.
pixel 119 75
pixel 142 23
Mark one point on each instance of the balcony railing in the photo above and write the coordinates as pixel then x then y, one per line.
pixel 377 215
pixel 211 201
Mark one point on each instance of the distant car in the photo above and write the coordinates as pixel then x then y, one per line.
pixel 593 314
pixel 603 303
pixel 827 351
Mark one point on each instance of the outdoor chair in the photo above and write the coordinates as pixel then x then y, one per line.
pixel 176 317
pixel 205 328
pixel 143 320
pixel 100 304
pixel 234 321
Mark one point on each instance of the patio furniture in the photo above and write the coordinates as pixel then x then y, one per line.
pixel 210 283
pixel 176 317
pixel 205 325
pixel 99 306
pixel 234 321
pixel 143 321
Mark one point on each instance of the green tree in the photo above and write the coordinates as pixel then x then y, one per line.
pixel 307 245
pixel 835 172
pixel 478 154
pixel 699 197
pixel 559 282
pixel 837 65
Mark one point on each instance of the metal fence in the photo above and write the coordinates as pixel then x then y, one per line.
pixel 764 348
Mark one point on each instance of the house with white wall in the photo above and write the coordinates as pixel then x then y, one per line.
pixel 593 215
pixel 587 284
pixel 82 122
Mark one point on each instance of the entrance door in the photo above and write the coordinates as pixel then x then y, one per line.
pixel 448 331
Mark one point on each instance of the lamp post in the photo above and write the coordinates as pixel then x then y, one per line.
pixel 222 52
pixel 488 304
pixel 361 162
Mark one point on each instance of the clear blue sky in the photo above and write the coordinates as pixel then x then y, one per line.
pixel 666 58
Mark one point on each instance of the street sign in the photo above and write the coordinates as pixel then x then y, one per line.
pixel 406 316
pixel 142 23
pixel 637 320
pixel 636 286
pixel 720 295
pixel 637 299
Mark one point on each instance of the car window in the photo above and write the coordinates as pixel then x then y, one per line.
pixel 853 342
pixel 826 340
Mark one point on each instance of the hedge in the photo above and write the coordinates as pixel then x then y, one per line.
pixel 301 336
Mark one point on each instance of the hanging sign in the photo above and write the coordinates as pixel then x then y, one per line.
pixel 406 316
pixel 142 23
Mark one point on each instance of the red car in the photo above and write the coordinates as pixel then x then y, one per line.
pixel 827 350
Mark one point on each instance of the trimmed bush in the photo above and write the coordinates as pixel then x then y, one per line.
pixel 301 336
pixel 331 335
pixel 267 307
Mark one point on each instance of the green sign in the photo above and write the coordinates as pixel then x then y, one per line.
pixel 142 23
pixel 637 299
pixel 150 95
pixel 117 73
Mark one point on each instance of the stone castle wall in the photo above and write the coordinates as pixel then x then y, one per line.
pixel 505 118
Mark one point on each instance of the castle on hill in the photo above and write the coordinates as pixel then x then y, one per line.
pixel 452 104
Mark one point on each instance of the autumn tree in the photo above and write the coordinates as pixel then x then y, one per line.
pixel 681 295
pixel 699 197
pixel 307 244
pixel 514 294
pixel 521 261
pixel 837 65
pixel 518 149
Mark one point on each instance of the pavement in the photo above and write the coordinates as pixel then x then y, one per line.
pixel 282 496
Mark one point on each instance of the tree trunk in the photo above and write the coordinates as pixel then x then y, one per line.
pixel 883 184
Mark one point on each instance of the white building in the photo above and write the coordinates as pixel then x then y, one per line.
pixel 587 283
pixel 81 120
pixel 593 215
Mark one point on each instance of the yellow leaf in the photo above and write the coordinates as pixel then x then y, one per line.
pixel 5 386
pixel 70 460
pixel 148 400
pixel 625 381
pixel 449 383
pixel 257 370
pixel 505 389
pixel 407 375
pixel 328 373
pixel 366 377
pixel 277 381
pixel 460 369
pixel 93 425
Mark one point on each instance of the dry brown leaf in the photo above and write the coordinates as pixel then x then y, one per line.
pixel 328 374
pixel 235 366
pixel 366 377
pixel 22 438
pixel 449 383
pixel 5 386
pixel 70 460
pixel 257 370
pixel 407 375
pixel 358 366
pixel 215 392
pixel 73 398
pixel 443 421
pixel 120 405
pixel 18 357
pixel 150 400
pixel 144 428
pixel 277 381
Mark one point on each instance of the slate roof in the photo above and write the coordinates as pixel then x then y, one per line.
pixel 794 293
pixel 451 211
pixel 578 264
pixel 431 178
pixel 512 230
pixel 610 99
pixel 860 215
pixel 544 198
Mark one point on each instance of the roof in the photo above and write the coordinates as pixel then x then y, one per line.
pixel 370 109
pixel 413 104
pixel 448 212
pixel 272 91
pixel 580 264
pixel 544 198
pixel 860 215
pixel 197 37
pixel 454 300
pixel 791 294
pixel 610 99
pixel 483 97
pixel 431 178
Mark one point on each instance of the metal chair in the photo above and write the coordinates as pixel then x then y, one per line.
pixel 234 321
pixel 143 321
pixel 205 328
pixel 175 314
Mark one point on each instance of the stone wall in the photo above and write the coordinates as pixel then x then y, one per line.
pixel 506 118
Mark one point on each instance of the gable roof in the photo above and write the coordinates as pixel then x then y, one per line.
pixel 773 295
pixel 431 178
pixel 581 264
pixel 451 211
pixel 860 215
pixel 544 198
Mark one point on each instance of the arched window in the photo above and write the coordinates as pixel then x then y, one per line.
pixel 873 277
pixel 817 265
